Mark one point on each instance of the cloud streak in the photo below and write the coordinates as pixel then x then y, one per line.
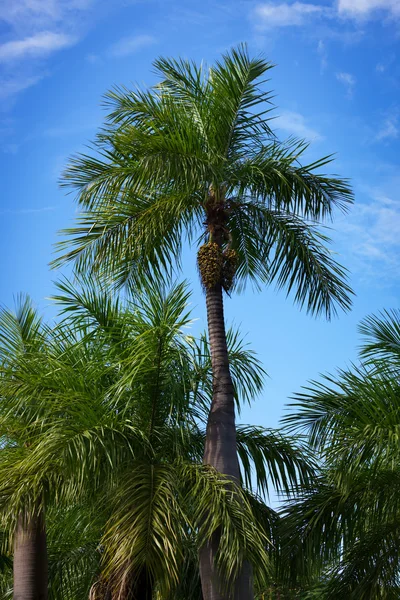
pixel 295 124
pixel 130 45
pixel 348 80
pixel 390 129
pixel 11 86
pixel 271 15
pixel 370 234
pixel 285 15
pixel 36 30
pixel 366 8
pixel 25 16
pixel 39 45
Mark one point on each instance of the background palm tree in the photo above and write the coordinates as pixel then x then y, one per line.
pixel 195 156
pixel 113 404
pixel 348 521
pixel 22 338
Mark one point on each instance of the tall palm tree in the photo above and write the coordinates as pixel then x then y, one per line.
pixel 106 418
pixel 348 521
pixel 195 157
pixel 22 338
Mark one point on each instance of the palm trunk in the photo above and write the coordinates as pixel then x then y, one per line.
pixel 220 446
pixel 30 558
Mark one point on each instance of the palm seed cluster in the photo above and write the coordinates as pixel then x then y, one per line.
pixel 229 268
pixel 216 265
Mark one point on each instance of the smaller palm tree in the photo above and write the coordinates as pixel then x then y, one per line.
pixel 104 423
pixel 22 340
pixel 348 522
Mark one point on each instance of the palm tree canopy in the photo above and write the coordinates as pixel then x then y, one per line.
pixel 350 516
pixel 104 415
pixel 204 133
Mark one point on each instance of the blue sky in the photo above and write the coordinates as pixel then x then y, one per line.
pixel 337 83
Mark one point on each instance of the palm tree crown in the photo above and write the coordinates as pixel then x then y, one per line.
pixel 195 156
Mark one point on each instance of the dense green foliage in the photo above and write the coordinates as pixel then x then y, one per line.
pixel 102 421
pixel 349 519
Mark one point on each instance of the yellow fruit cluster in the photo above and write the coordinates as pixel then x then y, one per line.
pixel 209 261
pixel 216 266
pixel 229 268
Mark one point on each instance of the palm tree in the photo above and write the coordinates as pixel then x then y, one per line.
pixel 112 405
pixel 195 156
pixel 349 519
pixel 22 337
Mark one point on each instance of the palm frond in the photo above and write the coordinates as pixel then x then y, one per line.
pixel 293 253
pixel 382 337
pixel 273 459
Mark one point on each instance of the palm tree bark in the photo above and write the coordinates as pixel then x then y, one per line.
pixel 220 446
pixel 30 558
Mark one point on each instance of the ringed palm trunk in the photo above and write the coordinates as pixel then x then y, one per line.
pixel 30 558
pixel 220 446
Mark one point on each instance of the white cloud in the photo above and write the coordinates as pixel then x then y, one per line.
pixel 270 15
pixel 348 81
pixel 130 45
pixel 364 8
pixel 38 45
pixel 321 49
pixel 32 31
pixel 34 15
pixel 370 234
pixel 10 87
pixel 295 124
pixel 390 129
pixel 285 14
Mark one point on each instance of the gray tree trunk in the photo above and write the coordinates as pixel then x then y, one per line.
pixel 30 558
pixel 220 446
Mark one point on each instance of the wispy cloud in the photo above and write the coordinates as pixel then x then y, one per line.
pixel 130 45
pixel 366 8
pixel 295 124
pixel 27 211
pixel 13 85
pixel 348 80
pixel 284 15
pixel 390 129
pixel 321 49
pixel 370 234
pixel 38 45
pixel 33 31
pixel 122 48
pixel 270 15
pixel 25 16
